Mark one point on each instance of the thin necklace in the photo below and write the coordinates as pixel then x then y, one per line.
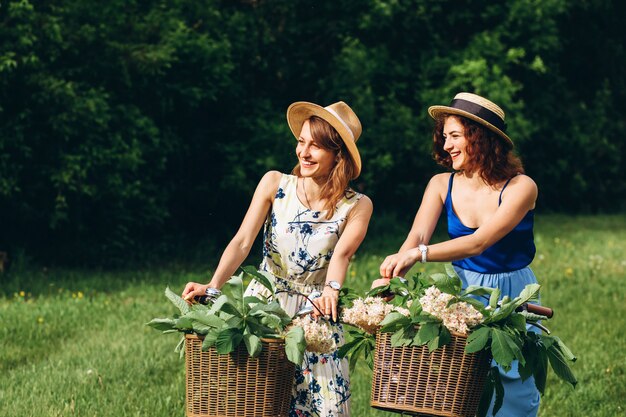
pixel 306 197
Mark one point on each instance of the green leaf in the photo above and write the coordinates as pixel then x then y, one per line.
pixel 426 333
pixel 444 336
pixel 253 344
pixel 393 321
pixel 501 348
pixel 183 323
pixel 403 336
pixel 486 396
pixel 227 340
pixel 205 318
pixel 295 345
pixel 177 301
pixel 447 284
pixel 499 388
pixel 232 308
pixel 233 289
pixel 272 321
pixel 257 328
pixel 540 371
pixel 518 322
pixel 494 298
pixel 354 356
pixel 532 355
pixel 234 323
pixel 451 272
pixel 477 340
pixel 567 353
pixel 434 344
pixel 377 291
pixel 398 286
pixel 201 329
pixel 162 324
pixel 180 347
pixel 478 290
pixel 560 366
pixel 529 293
pixel 516 347
pixel 262 277
pixel 503 313
pixel 345 349
pixel 210 339
pixel 272 309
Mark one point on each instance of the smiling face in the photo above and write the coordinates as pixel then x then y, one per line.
pixel 455 142
pixel 315 161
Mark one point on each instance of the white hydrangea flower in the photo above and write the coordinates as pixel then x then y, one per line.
pixel 459 317
pixel 318 334
pixel 369 312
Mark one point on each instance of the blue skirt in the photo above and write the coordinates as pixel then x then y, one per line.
pixel 521 398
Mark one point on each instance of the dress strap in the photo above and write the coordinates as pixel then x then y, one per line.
pixel 450 181
pixel 505 184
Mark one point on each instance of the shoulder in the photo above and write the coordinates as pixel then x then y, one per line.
pixel 270 182
pixel 440 180
pixel 523 183
pixel 362 207
pixel 365 203
pixel 439 183
pixel 521 189
pixel 271 178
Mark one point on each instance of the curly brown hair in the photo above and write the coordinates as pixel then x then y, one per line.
pixel 343 172
pixel 488 154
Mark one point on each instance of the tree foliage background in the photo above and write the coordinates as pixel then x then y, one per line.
pixel 136 128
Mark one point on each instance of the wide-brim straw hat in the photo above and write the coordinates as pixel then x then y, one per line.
pixel 339 115
pixel 476 108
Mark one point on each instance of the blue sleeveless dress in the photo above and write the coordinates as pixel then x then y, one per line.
pixel 505 266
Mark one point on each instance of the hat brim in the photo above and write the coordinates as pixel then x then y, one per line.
pixel 436 111
pixel 300 111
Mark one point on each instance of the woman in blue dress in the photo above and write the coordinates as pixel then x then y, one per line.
pixel 489 203
pixel 313 224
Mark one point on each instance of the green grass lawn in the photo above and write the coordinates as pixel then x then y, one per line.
pixel 75 342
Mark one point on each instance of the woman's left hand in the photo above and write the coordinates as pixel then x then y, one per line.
pixel 327 304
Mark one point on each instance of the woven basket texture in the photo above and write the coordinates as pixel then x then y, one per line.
pixel 236 385
pixel 446 382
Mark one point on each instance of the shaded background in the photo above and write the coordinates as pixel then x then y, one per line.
pixel 136 131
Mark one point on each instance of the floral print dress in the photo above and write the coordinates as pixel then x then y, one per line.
pixel 297 246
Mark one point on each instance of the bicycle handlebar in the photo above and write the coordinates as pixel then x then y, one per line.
pixel 536 309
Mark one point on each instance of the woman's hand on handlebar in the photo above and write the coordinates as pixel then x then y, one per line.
pixel 192 290
pixel 327 304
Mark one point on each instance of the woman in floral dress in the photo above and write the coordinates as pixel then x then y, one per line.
pixel 314 223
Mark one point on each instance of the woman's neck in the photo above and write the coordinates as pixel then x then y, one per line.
pixel 312 190
pixel 474 180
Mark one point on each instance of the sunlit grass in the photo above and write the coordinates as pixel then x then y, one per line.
pixel 75 342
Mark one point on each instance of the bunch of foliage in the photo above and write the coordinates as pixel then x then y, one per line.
pixel 234 318
pixel 121 129
pixel 502 330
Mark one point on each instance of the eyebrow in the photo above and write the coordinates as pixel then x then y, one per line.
pixel 454 131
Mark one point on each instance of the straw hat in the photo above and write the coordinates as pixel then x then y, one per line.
pixel 477 108
pixel 339 115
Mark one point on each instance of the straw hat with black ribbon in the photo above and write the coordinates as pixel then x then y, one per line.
pixel 476 108
pixel 339 115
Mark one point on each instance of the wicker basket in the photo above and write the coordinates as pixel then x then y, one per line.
pixel 447 382
pixel 237 385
